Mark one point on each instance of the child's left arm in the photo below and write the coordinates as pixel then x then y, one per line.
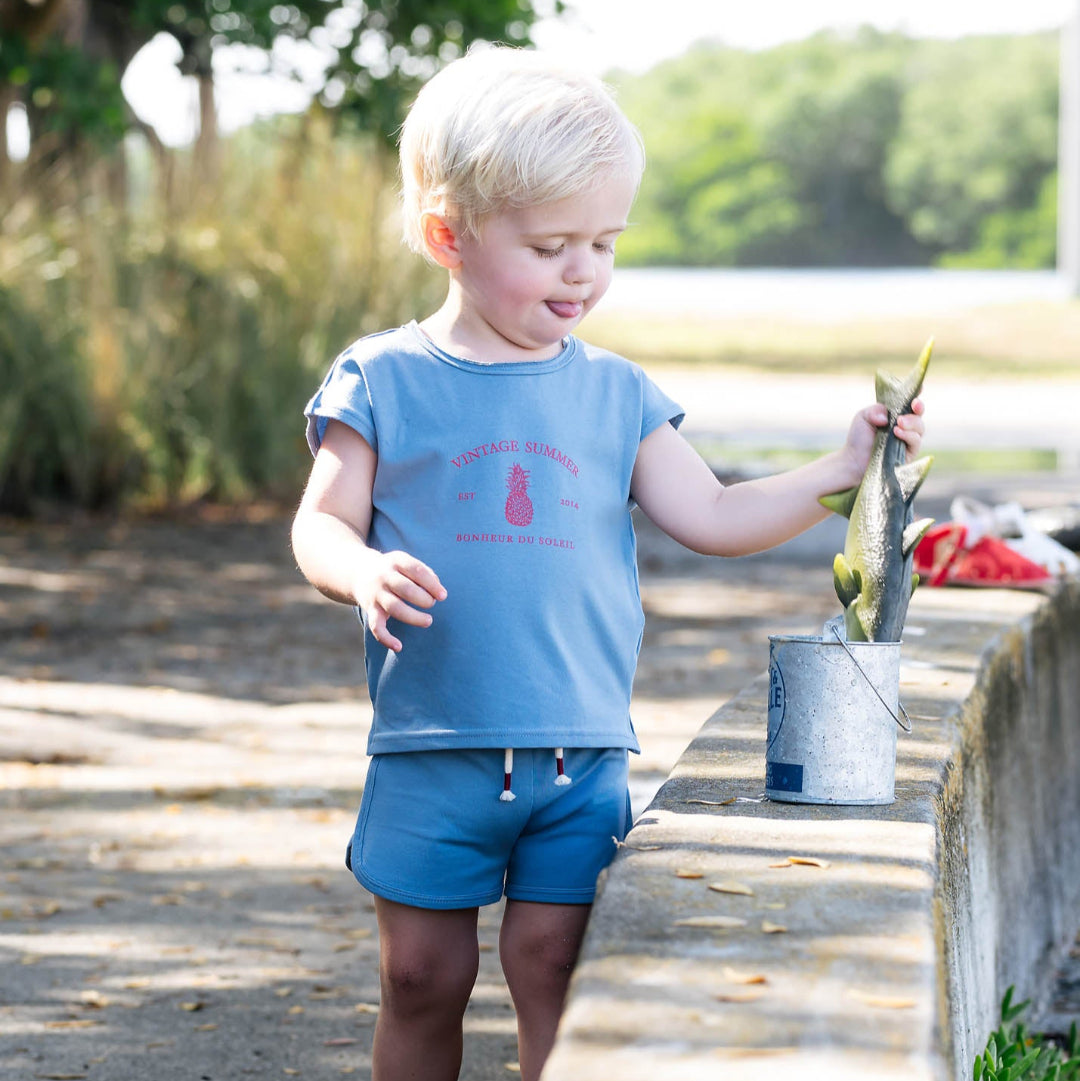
pixel 678 491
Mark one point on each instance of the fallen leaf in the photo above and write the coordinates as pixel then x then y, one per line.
pixel 782 864
pixel 192 1007
pixel 296 1009
pixel 809 861
pixel 731 887
pixel 340 1041
pixel 710 921
pixel 684 872
pixel 636 848
pixel 283 992
pixel 883 1002
pixel 733 975
pixel 341 947
pixel 61 1076
pixel 718 656
pixel 513 1067
pixel 713 802
pixel 770 928
pixel 289 1070
pixel 205 1028
pixel 71 1024
pixel 136 985
pixel 366 1007
pixel 738 996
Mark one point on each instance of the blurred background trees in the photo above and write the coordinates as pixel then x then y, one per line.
pixel 165 313
pixel 872 150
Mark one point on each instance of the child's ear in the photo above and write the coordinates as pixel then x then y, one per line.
pixel 440 240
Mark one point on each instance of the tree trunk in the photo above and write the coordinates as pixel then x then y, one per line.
pixel 207 149
pixel 32 21
pixel 7 99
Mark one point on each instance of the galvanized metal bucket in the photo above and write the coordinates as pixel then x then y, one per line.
pixel 833 715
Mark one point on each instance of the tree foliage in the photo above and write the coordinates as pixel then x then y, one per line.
pixel 869 149
pixel 67 68
pixel 977 136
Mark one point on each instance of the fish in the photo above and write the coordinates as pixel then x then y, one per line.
pixel 873 576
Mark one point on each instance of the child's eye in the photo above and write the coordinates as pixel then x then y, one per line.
pixel 604 247
pixel 548 253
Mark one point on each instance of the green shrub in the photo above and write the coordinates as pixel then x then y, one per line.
pixel 1014 1054
pixel 174 341
pixel 47 426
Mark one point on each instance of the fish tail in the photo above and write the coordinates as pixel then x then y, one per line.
pixel 897 394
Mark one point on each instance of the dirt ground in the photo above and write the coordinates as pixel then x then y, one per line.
pixel 182 730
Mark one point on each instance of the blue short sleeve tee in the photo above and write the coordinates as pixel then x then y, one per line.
pixel 512 481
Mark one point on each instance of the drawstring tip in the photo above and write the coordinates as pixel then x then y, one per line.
pixel 508 768
pixel 561 779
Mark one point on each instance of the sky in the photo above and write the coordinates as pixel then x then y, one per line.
pixel 596 34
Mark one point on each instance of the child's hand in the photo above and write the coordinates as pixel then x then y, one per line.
pixel 393 585
pixel 909 429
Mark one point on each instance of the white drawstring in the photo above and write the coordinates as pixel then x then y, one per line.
pixel 508 768
pixel 507 795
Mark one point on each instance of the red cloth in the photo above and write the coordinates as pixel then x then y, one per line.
pixel 942 558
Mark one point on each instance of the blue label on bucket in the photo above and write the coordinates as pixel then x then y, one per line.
pixel 783 776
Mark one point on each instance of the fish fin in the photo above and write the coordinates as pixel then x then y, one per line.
pixel 897 394
pixel 841 503
pixel 914 533
pixel 910 476
pixel 845 581
pixel 855 630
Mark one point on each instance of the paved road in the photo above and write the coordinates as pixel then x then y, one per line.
pixel 989 414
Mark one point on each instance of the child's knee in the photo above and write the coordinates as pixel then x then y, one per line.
pixel 543 957
pixel 424 982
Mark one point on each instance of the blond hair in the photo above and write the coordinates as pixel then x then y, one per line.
pixel 505 127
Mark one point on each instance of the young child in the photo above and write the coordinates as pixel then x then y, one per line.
pixel 471 494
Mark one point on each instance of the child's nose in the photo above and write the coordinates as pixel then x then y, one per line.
pixel 579 269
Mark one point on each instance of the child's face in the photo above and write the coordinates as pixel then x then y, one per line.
pixel 535 272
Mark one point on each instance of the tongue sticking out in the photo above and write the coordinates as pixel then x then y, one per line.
pixel 565 309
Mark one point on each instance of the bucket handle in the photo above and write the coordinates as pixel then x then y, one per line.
pixel 905 727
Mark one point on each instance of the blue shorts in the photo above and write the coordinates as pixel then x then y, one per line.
pixel 433 833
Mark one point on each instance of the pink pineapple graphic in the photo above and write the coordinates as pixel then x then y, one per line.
pixel 519 508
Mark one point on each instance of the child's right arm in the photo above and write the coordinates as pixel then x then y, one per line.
pixel 329 539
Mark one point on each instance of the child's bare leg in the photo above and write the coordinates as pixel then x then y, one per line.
pixel 539 945
pixel 428 960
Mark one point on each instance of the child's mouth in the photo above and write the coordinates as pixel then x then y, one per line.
pixel 566 309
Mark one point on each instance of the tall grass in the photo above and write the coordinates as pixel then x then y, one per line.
pixel 160 349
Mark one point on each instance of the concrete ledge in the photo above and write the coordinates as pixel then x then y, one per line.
pixel 893 958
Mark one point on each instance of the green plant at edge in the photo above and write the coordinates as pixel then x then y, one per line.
pixel 1014 1054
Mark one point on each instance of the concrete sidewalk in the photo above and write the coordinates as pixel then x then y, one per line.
pixel 181 756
